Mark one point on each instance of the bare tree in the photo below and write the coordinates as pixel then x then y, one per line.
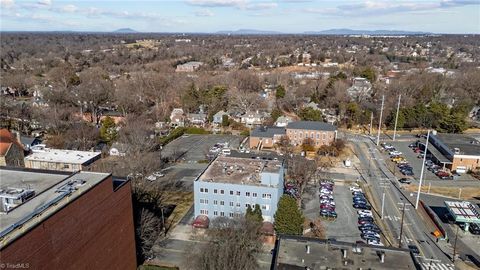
pixel 232 244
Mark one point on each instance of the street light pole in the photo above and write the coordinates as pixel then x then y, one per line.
pixel 396 118
pixel 401 226
pixel 455 246
pixel 383 201
pixel 380 120
pixel 371 122
pixel 421 173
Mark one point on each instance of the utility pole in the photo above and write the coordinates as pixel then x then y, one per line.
pixel 383 201
pixel 455 246
pixel 380 120
pixel 430 265
pixel 401 226
pixel 396 117
pixel 423 168
pixel 371 123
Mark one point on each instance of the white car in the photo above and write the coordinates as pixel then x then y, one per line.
pixel 151 178
pixel 158 174
pixel 352 189
pixel 364 215
pixel 327 202
pixel 325 191
pixel 395 153
pixel 375 243
pixel 365 212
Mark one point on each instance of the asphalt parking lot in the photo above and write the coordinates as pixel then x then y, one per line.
pixel 345 227
pixel 416 163
pixel 193 148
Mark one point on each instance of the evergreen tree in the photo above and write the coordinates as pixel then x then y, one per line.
pixel 280 93
pixel 288 218
pixel 108 130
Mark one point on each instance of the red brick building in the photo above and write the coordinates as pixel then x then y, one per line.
pixel 73 221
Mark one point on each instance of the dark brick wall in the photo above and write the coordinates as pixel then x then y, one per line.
pixel 95 231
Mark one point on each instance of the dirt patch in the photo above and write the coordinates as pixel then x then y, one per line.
pixel 466 193
pixel 182 201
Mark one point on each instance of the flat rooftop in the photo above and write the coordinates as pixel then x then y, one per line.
pixel 51 189
pixel 238 170
pixel 467 145
pixel 463 211
pixel 323 254
pixel 62 156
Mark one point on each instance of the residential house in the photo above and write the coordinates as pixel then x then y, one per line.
pixel 118 149
pixel 230 185
pixel 251 119
pixel 189 66
pixel 28 142
pixel 197 119
pixel 283 121
pixel 177 118
pixel 312 105
pixel 11 150
pixel 360 89
pixel 218 117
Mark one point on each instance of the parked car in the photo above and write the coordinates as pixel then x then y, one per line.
pixel 370 237
pixel 326 197
pixel 370 233
pixel 366 218
pixel 405 181
pixel 474 229
pixel 364 212
pixel 362 206
pixel 328 207
pixel 370 229
pixel 374 243
pixel 331 214
pixel 329 202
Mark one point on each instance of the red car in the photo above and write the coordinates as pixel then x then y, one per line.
pixel 328 207
pixel 442 174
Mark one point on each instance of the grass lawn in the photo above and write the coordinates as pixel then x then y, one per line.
pixel 182 201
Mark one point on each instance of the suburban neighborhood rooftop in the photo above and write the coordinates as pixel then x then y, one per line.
pixel 235 170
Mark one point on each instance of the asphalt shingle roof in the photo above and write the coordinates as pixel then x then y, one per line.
pixel 311 125
pixel 267 132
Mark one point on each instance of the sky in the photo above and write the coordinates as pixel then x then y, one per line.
pixel 288 16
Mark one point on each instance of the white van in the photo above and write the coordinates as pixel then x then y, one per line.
pixel 226 151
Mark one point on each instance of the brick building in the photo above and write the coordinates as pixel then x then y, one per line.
pixel 58 220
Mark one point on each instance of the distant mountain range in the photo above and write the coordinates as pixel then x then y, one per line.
pixel 325 32
pixel 364 32
pixel 125 30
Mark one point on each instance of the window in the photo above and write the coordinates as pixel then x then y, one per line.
pixel 231 192
pixel 265 207
pixel 222 191
pixel 254 194
pixel 238 193
pixel 222 214
pixel 231 203
pixel 324 136
pixel 306 135
pixel 247 194
pixel 266 195
pixel 247 205
pixel 215 191
pixel 222 202
pixel 206 190
pixel 238 204
pixel 230 214
pixel 312 135
pixel 215 213
pixel 201 190
pixel 215 202
pixel 203 201
pixel 318 135
pixel 203 212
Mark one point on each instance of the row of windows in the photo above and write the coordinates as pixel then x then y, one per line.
pixel 215 202
pixel 222 214
pixel 238 193
pixel 312 134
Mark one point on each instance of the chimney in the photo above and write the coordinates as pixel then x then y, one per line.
pixel 308 249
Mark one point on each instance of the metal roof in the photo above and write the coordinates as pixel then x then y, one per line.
pixel 463 211
pixel 267 132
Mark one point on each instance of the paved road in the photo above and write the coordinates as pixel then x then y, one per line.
pixel 382 180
